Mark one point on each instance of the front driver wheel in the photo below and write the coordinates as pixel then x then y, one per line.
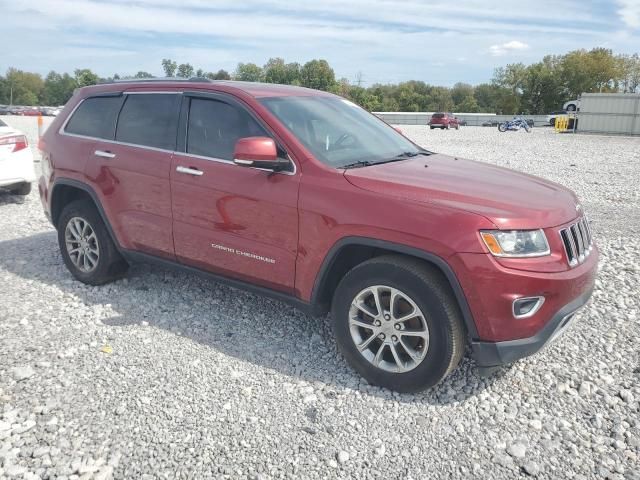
pixel 397 323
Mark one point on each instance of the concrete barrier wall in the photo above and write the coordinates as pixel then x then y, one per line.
pixel 472 119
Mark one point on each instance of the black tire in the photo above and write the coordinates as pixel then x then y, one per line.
pixel 430 291
pixel 571 108
pixel 110 264
pixel 502 127
pixel 22 189
pixel 457 127
pixel 430 127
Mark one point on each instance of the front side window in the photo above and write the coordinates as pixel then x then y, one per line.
pixel 150 120
pixel 215 127
pixel 338 132
pixel 95 117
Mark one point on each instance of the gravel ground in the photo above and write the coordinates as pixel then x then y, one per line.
pixel 167 375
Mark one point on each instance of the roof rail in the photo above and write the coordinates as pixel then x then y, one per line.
pixel 159 79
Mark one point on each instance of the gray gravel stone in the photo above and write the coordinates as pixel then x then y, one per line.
pixel 22 372
pixel 517 450
pixel 531 468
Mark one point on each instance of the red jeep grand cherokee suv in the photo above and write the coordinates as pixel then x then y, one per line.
pixel 443 121
pixel 305 196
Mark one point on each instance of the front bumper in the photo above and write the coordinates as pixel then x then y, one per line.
pixel 491 354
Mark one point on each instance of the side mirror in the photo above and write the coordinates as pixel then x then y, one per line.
pixel 258 152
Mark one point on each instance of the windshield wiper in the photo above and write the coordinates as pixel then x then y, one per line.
pixel 358 164
pixel 402 156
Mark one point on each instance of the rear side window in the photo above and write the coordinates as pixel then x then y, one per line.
pixel 95 117
pixel 215 127
pixel 149 120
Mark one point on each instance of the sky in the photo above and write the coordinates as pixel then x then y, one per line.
pixel 376 41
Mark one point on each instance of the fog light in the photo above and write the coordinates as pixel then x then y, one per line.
pixel 527 307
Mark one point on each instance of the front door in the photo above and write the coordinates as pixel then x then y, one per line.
pixel 235 221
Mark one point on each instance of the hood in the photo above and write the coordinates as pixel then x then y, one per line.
pixel 507 198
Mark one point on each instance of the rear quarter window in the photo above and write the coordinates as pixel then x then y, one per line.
pixel 95 117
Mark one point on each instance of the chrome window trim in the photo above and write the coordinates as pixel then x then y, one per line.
pixel 231 162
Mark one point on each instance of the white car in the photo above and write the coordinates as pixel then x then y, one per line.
pixel 571 105
pixel 16 161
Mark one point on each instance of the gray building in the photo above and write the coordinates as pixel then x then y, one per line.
pixel 609 113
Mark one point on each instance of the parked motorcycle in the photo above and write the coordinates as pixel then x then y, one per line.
pixel 514 125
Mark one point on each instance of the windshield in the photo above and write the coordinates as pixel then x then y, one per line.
pixel 338 132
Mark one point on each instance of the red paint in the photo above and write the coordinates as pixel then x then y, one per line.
pixel 275 229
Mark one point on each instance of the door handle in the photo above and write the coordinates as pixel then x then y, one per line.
pixel 104 154
pixel 189 171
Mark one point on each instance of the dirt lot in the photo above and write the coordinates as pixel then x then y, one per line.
pixel 167 375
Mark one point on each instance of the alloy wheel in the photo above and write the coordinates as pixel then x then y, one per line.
pixel 388 329
pixel 82 244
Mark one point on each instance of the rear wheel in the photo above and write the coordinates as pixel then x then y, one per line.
pixel 397 323
pixel 502 127
pixel 22 189
pixel 86 246
pixel 431 127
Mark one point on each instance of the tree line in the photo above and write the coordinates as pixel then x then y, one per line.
pixel 537 88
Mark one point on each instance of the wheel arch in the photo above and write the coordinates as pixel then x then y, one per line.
pixel 348 252
pixel 66 190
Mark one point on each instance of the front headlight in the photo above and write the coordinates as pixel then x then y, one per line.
pixel 516 243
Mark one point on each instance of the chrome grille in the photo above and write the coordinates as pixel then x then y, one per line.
pixel 577 241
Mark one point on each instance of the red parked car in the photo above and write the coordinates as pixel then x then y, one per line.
pixel 30 112
pixel 304 196
pixel 443 121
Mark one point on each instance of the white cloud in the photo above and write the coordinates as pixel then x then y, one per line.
pixel 629 12
pixel 504 48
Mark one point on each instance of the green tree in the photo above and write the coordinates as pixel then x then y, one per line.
pixel 142 74
pixel 277 71
pixel 317 74
pixel 463 99
pixel 629 66
pixel 169 67
pixel 57 89
pixel 248 72
pixel 21 88
pixel 219 75
pixel 85 77
pixel 185 70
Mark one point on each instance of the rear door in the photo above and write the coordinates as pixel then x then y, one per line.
pixel 236 221
pixel 132 171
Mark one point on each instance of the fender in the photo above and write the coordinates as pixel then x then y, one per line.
pixel 439 262
pixel 91 192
